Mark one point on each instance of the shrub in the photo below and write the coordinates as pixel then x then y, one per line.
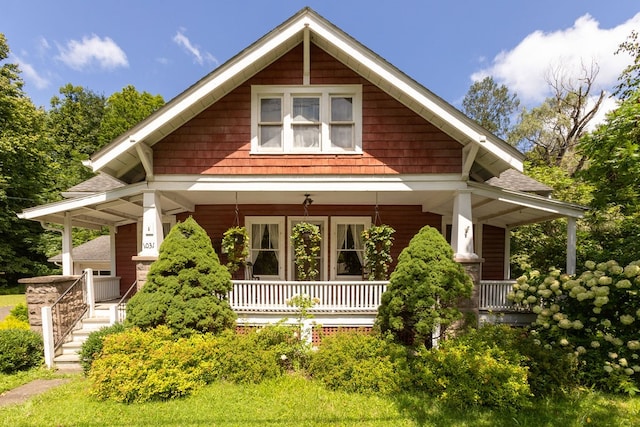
pixel 423 290
pixel 462 375
pixel 20 312
pixel 137 366
pixel 359 362
pixel 592 317
pixel 186 287
pixel 19 350
pixel 11 322
pixel 92 347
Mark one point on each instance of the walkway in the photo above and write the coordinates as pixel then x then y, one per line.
pixel 27 391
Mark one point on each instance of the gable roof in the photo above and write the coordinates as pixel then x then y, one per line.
pixel 132 148
pixel 98 249
pixel 96 184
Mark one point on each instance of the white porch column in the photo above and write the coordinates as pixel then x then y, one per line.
pixel 462 226
pixel 47 335
pixel 152 235
pixel 67 246
pixel 571 245
pixel 112 250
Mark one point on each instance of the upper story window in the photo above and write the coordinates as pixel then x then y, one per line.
pixel 306 119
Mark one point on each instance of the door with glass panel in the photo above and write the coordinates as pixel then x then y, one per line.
pixel 321 263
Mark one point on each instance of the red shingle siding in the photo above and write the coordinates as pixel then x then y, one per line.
pixel 126 247
pixel 395 139
pixel 493 247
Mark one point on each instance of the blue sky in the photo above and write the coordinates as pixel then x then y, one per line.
pixel 163 47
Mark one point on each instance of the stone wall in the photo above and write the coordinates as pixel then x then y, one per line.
pixel 43 291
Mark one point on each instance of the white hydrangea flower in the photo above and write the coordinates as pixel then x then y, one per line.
pixel 626 319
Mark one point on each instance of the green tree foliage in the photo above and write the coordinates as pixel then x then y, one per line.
pixel 186 287
pixel 423 290
pixel 125 109
pixel 73 126
pixel 24 176
pixel 491 106
pixel 629 80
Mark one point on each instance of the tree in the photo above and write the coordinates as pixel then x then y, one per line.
pixel 423 290
pixel 550 132
pixel 629 80
pixel 186 287
pixel 124 110
pixel 74 129
pixel 24 176
pixel 491 106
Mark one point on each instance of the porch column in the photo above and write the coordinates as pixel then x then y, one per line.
pixel 151 224
pixel 67 246
pixel 571 245
pixel 462 226
pixel 112 250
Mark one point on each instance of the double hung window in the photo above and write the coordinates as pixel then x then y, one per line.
pixel 316 119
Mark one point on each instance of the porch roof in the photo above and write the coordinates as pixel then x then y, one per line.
pixel 179 194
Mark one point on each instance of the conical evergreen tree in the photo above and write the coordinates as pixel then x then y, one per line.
pixel 186 287
pixel 423 290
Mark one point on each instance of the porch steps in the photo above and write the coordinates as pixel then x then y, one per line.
pixel 68 355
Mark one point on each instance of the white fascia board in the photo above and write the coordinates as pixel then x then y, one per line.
pixel 192 97
pixel 415 93
pixel 527 200
pixel 313 183
pixel 69 205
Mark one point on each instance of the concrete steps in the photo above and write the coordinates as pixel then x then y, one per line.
pixel 67 357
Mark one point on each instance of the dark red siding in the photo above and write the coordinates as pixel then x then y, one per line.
pixel 395 139
pixel 493 247
pixel 126 248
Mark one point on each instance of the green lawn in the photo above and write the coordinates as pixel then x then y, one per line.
pixel 293 401
pixel 12 300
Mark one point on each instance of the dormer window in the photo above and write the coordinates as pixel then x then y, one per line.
pixel 306 119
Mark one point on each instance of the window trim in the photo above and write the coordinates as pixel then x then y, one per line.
pixel 249 221
pixel 324 220
pixel 335 221
pixel 325 93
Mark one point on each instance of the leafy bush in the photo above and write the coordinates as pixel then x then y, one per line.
pixel 11 322
pixel 462 374
pixel 92 347
pixel 359 362
pixel 592 317
pixel 423 290
pixel 20 350
pixel 137 366
pixel 186 287
pixel 20 312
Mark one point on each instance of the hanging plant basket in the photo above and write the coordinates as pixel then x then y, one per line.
pixel 235 244
pixel 305 238
pixel 377 251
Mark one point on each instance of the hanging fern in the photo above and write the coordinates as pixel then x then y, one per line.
pixel 306 238
pixel 235 244
pixel 377 250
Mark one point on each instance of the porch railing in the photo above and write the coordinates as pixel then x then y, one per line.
pixel 68 309
pixel 493 296
pixel 120 309
pixel 334 296
pixel 106 288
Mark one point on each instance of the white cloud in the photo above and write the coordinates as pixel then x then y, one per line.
pixel 93 50
pixel 200 57
pixel 523 68
pixel 31 75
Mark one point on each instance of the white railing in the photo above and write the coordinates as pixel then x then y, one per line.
pixel 335 296
pixel 493 295
pixel 106 288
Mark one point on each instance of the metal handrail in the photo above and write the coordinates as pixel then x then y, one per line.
pixel 121 307
pixel 68 309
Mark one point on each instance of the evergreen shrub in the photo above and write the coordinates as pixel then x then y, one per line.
pixel 186 287
pixel 20 350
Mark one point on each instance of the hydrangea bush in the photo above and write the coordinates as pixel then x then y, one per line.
pixel 595 317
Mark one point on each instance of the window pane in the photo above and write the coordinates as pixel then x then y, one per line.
pixel 306 109
pixel 342 136
pixel 306 136
pixel 271 110
pixel 270 136
pixel 266 264
pixel 350 249
pixel 341 109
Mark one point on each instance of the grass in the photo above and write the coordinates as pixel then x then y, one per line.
pixel 295 401
pixel 9 382
pixel 12 300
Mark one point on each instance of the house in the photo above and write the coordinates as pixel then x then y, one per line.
pixel 309 113
pixel 94 254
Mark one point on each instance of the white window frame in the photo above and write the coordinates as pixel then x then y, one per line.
pixel 344 220
pixel 249 221
pixel 325 93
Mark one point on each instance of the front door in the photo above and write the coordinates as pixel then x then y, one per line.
pixel 321 222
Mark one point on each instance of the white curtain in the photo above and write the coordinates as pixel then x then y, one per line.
pixel 357 230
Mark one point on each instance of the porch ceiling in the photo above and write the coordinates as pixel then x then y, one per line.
pixel 491 206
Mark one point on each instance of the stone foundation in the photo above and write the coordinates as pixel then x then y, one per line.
pixel 143 263
pixel 41 292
